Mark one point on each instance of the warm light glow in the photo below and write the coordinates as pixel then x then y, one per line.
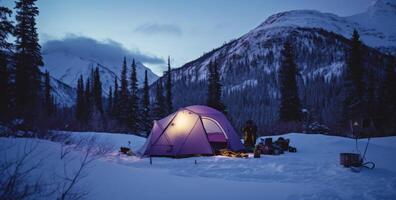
pixel 183 123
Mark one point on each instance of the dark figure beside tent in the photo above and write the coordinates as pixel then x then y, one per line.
pixel 250 135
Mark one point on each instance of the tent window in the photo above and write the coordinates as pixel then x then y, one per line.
pixel 211 126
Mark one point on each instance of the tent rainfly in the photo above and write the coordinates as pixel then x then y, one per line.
pixel 193 130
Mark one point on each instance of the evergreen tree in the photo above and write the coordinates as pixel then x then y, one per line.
pixel 290 106
pixel 124 95
pixel 110 105
pixel 387 106
pixel 48 99
pixel 28 60
pixel 134 100
pixel 87 100
pixel 214 93
pixel 97 91
pixel 146 119
pixel 80 101
pixel 159 108
pixel 116 102
pixel 354 87
pixel 390 84
pixel 6 29
pixel 168 88
pixel 370 95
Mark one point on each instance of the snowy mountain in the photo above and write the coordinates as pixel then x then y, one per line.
pixel 67 68
pixel 376 25
pixel 249 64
pixel 64 94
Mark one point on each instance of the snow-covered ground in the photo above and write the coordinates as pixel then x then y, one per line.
pixel 311 173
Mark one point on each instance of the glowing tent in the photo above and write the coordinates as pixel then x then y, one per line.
pixel 193 130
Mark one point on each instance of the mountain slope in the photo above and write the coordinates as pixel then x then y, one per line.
pixel 67 68
pixel 64 94
pixel 249 66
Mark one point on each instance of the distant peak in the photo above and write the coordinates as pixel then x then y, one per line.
pixel 276 18
pixel 383 6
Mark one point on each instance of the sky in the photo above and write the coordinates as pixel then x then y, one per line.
pixel 156 29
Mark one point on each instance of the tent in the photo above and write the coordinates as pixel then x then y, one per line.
pixel 193 130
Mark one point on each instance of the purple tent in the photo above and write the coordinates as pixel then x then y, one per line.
pixel 191 131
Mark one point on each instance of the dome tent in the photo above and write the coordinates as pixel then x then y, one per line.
pixel 193 130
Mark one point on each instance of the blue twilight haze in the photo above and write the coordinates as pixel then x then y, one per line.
pixel 183 29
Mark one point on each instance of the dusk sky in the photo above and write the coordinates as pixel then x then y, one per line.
pixel 155 29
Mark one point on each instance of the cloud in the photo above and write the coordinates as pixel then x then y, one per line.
pixel 153 29
pixel 90 48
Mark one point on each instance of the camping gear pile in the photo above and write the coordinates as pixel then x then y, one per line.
pixel 229 153
pixel 127 150
pixel 267 147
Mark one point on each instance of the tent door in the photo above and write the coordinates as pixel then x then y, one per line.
pixel 216 137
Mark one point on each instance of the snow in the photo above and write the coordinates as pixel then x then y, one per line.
pixel 311 173
pixel 67 68
pixel 243 85
pixel 376 25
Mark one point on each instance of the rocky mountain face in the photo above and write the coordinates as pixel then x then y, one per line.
pixel 249 64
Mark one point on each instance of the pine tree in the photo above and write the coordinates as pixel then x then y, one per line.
pixel 290 106
pixel 97 91
pixel 80 101
pixel 134 100
pixel 124 95
pixel 116 102
pixel 48 99
pixel 159 104
pixel 4 90
pixel 390 84
pixel 370 95
pixel 387 106
pixel 214 88
pixel 146 119
pixel 6 29
pixel 354 87
pixel 87 100
pixel 28 60
pixel 168 88
pixel 110 105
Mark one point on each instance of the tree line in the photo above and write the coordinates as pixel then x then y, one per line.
pixel 363 95
pixel 26 96
pixel 127 108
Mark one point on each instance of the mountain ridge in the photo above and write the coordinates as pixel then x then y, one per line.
pixel 249 65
